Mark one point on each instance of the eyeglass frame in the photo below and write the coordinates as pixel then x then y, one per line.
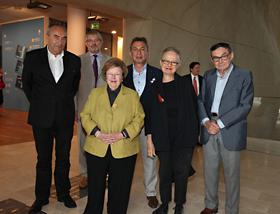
pixel 114 75
pixel 217 58
pixel 166 62
pixel 93 40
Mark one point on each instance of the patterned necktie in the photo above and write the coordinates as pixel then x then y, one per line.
pixel 95 69
pixel 195 85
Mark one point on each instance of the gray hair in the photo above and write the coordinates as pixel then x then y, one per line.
pixel 173 49
pixel 58 25
pixel 93 32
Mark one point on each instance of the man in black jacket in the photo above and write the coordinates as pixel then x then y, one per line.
pixel 51 78
pixel 140 76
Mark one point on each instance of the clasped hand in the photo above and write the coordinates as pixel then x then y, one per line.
pixel 110 138
pixel 212 127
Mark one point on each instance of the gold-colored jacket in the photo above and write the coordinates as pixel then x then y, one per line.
pixel 126 113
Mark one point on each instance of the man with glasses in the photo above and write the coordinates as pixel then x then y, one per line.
pixel 140 76
pixel 225 100
pixel 92 63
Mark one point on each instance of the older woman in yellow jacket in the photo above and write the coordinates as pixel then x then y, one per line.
pixel 112 117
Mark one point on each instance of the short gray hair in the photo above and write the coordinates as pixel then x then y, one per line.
pixel 94 32
pixel 173 49
pixel 58 25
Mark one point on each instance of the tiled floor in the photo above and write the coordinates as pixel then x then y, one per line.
pixel 260 180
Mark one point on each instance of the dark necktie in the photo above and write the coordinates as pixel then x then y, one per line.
pixel 95 69
pixel 195 85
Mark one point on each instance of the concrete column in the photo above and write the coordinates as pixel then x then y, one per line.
pixel 76 29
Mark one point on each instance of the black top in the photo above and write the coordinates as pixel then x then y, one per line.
pixel 169 90
pixel 156 120
pixel 113 94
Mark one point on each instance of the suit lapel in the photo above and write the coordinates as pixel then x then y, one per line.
pixel 130 77
pixel 121 98
pixel 89 63
pixel 104 99
pixel 66 66
pixel 213 81
pixel 148 79
pixel 233 78
pixel 45 62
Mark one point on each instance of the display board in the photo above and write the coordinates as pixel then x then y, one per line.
pixel 17 39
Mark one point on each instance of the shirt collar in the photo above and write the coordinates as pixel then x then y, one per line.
pixel 110 91
pixel 51 55
pixel 98 55
pixel 193 76
pixel 227 73
pixel 143 69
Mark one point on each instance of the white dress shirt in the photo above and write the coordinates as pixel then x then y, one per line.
pixel 56 64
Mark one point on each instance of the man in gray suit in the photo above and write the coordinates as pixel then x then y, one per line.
pixel 90 79
pixel 224 102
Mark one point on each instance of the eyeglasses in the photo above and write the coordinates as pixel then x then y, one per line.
pixel 93 40
pixel 166 62
pixel 217 59
pixel 113 75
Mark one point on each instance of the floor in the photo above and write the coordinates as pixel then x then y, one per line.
pixel 260 180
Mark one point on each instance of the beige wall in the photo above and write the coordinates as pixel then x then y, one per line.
pixel 251 27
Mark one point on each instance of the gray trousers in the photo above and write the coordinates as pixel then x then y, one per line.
pixel 81 143
pixel 214 152
pixel 150 170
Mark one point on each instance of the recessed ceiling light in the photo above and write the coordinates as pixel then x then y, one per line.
pixel 114 32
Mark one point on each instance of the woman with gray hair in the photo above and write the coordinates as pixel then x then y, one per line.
pixel 172 129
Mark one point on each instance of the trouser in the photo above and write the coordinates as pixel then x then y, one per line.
pixel 176 165
pixel 120 178
pixel 214 152
pixel 44 146
pixel 150 167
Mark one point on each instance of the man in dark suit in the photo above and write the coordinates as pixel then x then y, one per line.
pixel 140 76
pixel 195 77
pixel 225 100
pixel 196 80
pixel 51 78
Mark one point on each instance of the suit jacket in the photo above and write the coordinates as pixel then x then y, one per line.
pixel 200 78
pixel 87 81
pixel 236 103
pixel 156 122
pixel 49 100
pixel 127 115
pixel 152 75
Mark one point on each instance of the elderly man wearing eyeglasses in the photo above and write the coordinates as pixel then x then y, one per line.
pixel 225 100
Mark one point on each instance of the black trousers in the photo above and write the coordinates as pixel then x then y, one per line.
pixel 44 139
pixel 174 166
pixel 120 178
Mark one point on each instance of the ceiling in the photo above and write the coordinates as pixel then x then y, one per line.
pixel 14 10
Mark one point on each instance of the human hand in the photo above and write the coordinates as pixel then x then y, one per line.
pixel 76 116
pixel 116 136
pixel 105 138
pixel 150 147
pixel 212 127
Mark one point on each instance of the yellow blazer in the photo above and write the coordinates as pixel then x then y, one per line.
pixel 126 113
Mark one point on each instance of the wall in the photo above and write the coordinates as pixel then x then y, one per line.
pixel 251 27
